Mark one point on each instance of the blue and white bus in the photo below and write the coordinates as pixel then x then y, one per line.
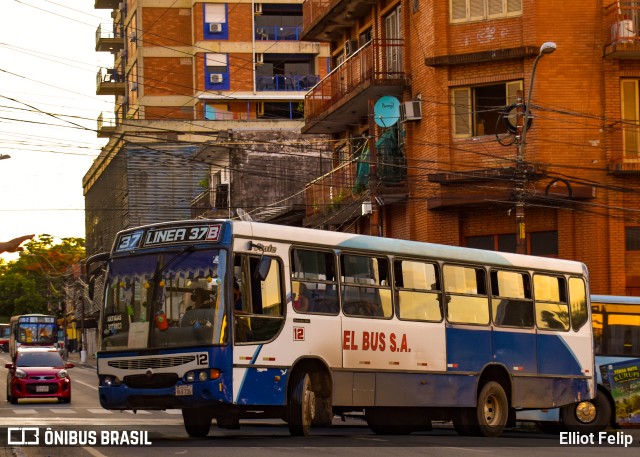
pixel 229 320
pixel 616 338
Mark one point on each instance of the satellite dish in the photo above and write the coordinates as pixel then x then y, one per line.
pixel 386 111
pixel 243 215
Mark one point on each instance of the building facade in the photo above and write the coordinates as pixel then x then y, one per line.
pixel 564 182
pixel 187 77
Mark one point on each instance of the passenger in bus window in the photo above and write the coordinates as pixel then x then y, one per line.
pixel 237 296
pixel 301 303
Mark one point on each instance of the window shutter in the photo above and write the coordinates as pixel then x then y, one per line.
pixel 458 10
pixel 512 91
pixel 476 9
pixel 461 111
pixel 495 8
pixel 514 6
pixel 630 132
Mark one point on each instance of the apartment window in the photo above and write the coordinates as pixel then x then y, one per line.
pixel 630 120
pixel 215 21
pixel 476 109
pixel 632 238
pixel 504 242
pixel 216 71
pixel 544 243
pixel 481 10
pixel 393 38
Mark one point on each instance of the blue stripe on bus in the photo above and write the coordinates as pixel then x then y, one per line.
pixel 555 356
pixel 264 386
pixel 515 350
pixel 467 349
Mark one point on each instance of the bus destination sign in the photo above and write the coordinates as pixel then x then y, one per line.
pixel 167 236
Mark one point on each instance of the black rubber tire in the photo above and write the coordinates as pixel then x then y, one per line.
pixel 301 404
pixel 574 421
pixel 492 410
pixel 197 422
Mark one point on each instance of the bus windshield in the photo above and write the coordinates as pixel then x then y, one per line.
pixel 166 299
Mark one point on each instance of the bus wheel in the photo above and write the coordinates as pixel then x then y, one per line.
pixel 301 405
pixel 197 422
pixel 492 410
pixel 587 416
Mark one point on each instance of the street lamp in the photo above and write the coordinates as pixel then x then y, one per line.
pixel 521 245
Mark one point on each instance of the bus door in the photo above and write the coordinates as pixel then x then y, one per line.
pixel 564 335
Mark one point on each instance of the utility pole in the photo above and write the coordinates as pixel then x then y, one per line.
pixel 521 135
pixel 374 218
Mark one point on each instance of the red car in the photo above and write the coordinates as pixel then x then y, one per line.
pixel 38 372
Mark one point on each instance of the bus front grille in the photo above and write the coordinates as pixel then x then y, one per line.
pixel 152 362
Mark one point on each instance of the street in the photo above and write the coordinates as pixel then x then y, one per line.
pixel 86 427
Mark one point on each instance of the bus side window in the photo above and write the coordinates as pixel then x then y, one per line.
pixel 511 300
pixel 418 294
pixel 552 309
pixel 314 286
pixel 466 292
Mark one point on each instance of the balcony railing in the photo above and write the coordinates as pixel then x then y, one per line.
pixel 331 190
pixel 312 10
pixel 106 39
pixel 110 82
pixel 286 82
pixel 106 124
pixel 623 21
pixel 278 33
pixel 379 62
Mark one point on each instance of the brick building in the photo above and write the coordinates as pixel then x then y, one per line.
pixel 188 78
pixel 461 71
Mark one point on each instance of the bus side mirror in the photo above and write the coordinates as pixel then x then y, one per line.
pixel 262 270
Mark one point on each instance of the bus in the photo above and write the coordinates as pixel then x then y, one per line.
pixel 32 330
pixel 616 337
pixel 399 332
pixel 5 331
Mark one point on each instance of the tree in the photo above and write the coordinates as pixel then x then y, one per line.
pixel 34 282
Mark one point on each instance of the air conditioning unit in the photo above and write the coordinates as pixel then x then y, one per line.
pixel 215 78
pixel 411 111
pixel 215 27
pixel 259 58
pixel 257 8
pixel 350 46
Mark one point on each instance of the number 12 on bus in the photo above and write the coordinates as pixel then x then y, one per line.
pixel 228 320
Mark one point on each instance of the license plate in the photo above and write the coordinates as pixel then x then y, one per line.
pixel 186 389
pixel 42 388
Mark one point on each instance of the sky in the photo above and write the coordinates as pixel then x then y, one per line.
pixel 48 114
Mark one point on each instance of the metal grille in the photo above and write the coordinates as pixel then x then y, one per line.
pixel 159 362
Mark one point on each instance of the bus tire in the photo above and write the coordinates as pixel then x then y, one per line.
pixel 587 416
pixel 301 404
pixel 197 422
pixel 492 410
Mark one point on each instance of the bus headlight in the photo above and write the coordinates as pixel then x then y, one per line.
pixel 202 376
pixel 111 381
pixel 190 376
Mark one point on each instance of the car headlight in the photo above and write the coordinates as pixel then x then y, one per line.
pixel 63 374
pixel 20 374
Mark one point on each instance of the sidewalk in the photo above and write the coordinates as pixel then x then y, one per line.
pixel 75 357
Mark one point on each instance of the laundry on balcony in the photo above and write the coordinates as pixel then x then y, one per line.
pixel 391 165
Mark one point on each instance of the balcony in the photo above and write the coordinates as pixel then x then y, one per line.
pixel 278 33
pixel 106 125
pixel 337 196
pixel 342 97
pixel 326 20
pixel 110 82
pixel 106 41
pixel 211 203
pixel 286 82
pixel 623 20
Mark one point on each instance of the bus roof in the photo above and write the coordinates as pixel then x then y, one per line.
pixel 615 299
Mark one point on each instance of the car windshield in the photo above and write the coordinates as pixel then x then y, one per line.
pixel 166 299
pixel 39 359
